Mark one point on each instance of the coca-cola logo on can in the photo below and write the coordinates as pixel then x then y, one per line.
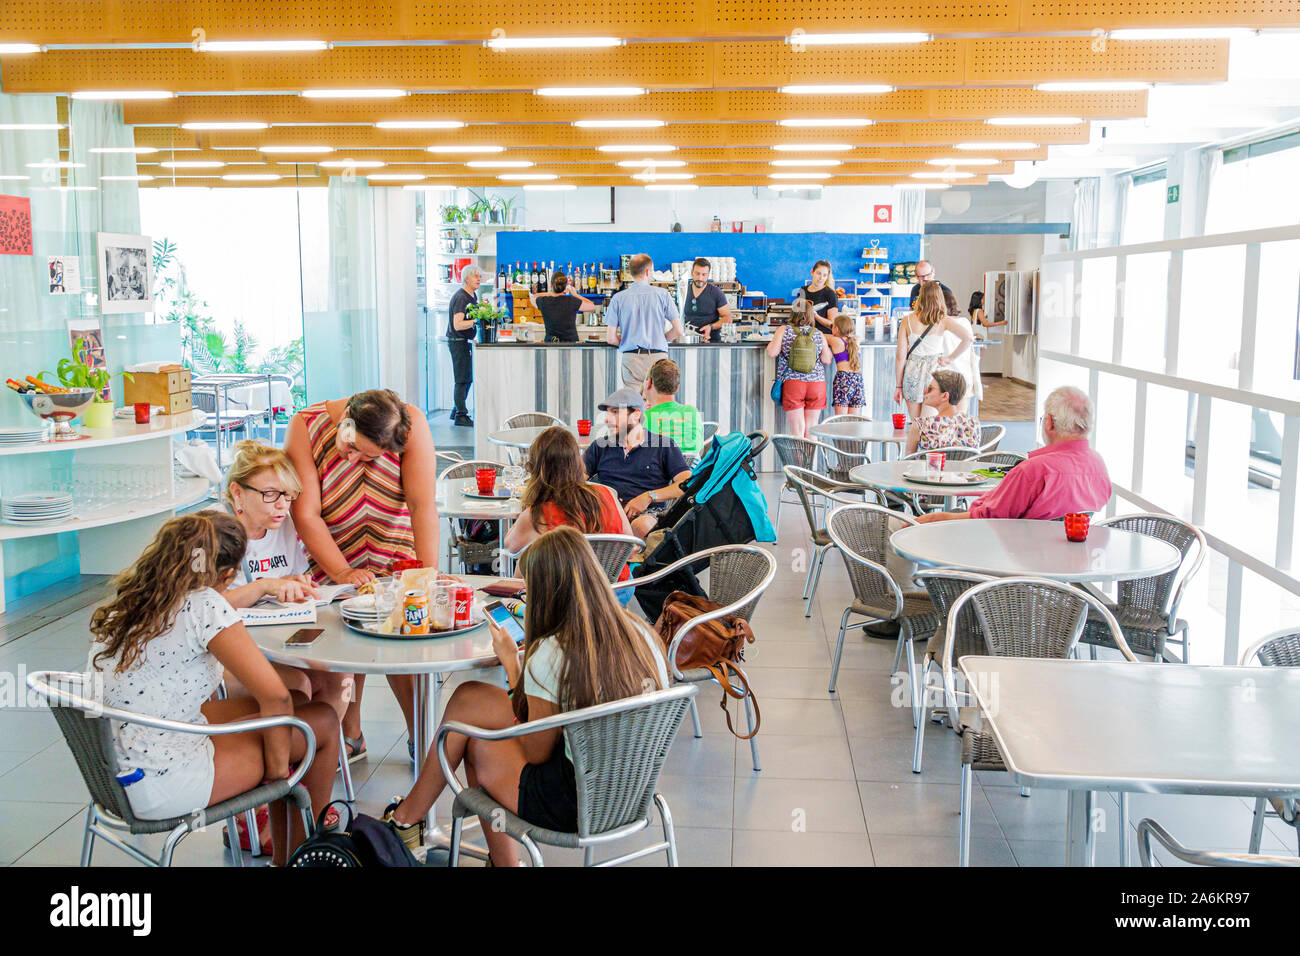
pixel 464 600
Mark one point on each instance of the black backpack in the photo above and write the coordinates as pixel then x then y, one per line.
pixel 361 841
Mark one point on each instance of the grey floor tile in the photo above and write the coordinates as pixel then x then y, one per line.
pixel 9 759
pixel 712 755
pixel 778 848
pixel 787 717
pixel 771 653
pixel 1039 852
pixel 878 715
pixel 50 775
pixel 698 801
pixel 27 823
pixel 888 756
pixel 797 758
pixel 696 846
pixel 891 850
pixel 926 809
pixel 792 805
pixel 794 682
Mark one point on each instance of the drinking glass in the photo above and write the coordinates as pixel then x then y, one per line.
pixel 513 477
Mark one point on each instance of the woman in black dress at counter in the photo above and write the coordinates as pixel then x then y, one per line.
pixel 560 308
pixel 821 294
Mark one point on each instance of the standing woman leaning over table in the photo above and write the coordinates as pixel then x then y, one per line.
pixel 368 472
pixel 921 346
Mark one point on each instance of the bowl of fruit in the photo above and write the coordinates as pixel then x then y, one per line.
pixel 59 405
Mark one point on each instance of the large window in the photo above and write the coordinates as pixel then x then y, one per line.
pixel 1256 186
pixel 1144 208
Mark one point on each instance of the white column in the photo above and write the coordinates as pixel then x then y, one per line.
pixel 399 327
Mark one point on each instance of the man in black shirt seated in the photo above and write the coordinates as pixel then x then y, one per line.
pixel 644 469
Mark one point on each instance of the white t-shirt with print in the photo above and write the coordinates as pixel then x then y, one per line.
pixel 174 676
pixel 542 676
pixel 276 554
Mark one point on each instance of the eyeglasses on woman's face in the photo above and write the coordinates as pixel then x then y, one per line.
pixel 271 495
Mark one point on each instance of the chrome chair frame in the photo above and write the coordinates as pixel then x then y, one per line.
pixel 533 420
pixel 610 563
pixel 742 607
pixel 805 485
pixel 562 722
pixel 101 822
pixel 1280 648
pixel 1148 828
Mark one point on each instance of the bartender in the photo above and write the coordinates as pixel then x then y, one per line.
pixel 818 291
pixel 706 309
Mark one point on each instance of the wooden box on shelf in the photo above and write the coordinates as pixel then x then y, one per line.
pixel 168 387
pixel 523 308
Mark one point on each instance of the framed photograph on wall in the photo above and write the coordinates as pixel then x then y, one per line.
pixel 125 273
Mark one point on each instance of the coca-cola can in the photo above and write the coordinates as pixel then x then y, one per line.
pixel 463 598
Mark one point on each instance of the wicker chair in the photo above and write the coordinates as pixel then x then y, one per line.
pixel 846 417
pixel 707 431
pixel 1143 607
pixel 1018 617
pixel 1149 828
pixel 796 451
pixel 1279 649
pixel 618 751
pixel 842 455
pixel 1006 459
pixel 861 532
pixel 944 587
pixel 738 576
pixel 532 420
pixel 613 550
pixel 88 735
pixel 991 436
pixel 469 552
pixel 816 490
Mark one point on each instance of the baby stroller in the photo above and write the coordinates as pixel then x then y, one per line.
pixel 722 505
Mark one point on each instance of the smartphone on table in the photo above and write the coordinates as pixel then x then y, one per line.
pixel 303 637
pixel 502 617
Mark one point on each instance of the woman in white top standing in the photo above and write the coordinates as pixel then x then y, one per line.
pixel 161 645
pixel 580 649
pixel 969 366
pixel 921 346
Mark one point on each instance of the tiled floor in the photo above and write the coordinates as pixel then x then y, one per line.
pixel 836 785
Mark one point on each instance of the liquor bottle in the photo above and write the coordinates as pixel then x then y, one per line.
pixel 593 281
pixel 536 279
pixel 550 274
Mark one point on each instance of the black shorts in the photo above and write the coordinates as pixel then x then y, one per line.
pixel 548 795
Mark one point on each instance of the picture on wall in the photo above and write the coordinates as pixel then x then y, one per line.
pixel 65 275
pixel 125 273
pixel 15 226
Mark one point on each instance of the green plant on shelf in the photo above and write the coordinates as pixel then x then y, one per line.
pixel 486 313
pixel 453 213
pixel 479 209
pixel 78 372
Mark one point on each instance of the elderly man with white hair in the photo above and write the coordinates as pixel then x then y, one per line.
pixel 1064 476
pixel 460 333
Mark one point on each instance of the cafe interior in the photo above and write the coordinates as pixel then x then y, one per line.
pixel 324 327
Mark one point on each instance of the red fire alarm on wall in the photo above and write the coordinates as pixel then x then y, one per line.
pixel 883 214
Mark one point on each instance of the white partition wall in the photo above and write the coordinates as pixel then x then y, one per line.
pixel 1189 349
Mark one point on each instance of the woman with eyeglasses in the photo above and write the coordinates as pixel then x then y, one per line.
pixel 368 471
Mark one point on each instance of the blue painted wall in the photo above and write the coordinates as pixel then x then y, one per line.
pixel 774 263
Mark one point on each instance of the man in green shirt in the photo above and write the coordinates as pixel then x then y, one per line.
pixel 664 415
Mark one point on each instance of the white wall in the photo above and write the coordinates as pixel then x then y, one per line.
pixel 837 209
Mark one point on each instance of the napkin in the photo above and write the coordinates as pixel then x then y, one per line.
pixel 197 460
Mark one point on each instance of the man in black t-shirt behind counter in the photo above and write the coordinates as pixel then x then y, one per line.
pixel 460 333
pixel 705 309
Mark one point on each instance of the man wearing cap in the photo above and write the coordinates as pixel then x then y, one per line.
pixel 645 470
pixel 637 318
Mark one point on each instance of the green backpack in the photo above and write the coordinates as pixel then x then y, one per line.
pixel 803 351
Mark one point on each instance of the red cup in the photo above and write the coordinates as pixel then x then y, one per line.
pixel 405 564
pixel 487 480
pixel 584 426
pixel 936 460
pixel 1076 526
pixel 141 413
pixel 900 421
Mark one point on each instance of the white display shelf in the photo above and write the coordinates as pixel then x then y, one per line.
pixel 189 491
pixel 123 432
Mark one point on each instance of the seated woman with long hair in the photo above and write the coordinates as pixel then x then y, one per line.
pixel 162 644
pixel 580 649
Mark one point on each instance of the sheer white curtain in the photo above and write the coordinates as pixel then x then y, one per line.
pixel 1122 186
pixel 1083 227
pixel 911 210
pixel 1208 165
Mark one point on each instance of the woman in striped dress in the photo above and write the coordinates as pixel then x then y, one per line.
pixel 368 471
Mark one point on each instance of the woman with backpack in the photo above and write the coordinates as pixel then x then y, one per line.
pixel 801 354
pixel 580 649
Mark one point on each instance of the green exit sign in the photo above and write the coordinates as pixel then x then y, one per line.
pixel 1171 194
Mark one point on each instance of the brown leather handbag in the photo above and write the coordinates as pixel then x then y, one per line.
pixel 717 646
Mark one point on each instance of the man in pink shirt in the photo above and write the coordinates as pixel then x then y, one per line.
pixel 1064 476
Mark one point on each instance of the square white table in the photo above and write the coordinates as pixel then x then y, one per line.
pixel 1085 726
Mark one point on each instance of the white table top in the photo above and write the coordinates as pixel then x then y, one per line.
pixel 344 651
pixel 454 503
pixel 889 474
pixel 524 437
pixel 1016 546
pixel 1149 728
pixel 870 431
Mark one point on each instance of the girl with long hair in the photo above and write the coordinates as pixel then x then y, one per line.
pixel 580 649
pixel 162 643
pixel 921 346
pixel 847 393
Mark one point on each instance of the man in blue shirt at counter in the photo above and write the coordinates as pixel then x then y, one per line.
pixel 644 469
pixel 637 318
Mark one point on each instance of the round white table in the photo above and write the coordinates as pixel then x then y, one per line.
pixel 881 433
pixel 429 660
pixel 889 475
pixel 452 502
pixel 524 437
pixel 1008 547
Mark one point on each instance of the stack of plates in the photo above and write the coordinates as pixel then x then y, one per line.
pixel 38 507
pixel 21 435
pixel 360 610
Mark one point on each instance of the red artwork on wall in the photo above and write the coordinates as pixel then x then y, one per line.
pixel 15 226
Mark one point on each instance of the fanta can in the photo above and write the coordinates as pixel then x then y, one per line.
pixel 415 612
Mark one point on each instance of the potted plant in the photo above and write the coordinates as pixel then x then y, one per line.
pixel 77 372
pixel 452 213
pixel 479 209
pixel 497 214
pixel 488 318
pixel 508 210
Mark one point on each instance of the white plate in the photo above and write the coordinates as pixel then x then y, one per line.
pixel 500 493
pixel 475 614
pixel 926 477
pixel 37 498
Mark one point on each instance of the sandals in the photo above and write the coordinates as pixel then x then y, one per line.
pixel 358 747
pixel 241 826
pixel 412 834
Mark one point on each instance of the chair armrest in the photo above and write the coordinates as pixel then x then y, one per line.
pixel 1149 828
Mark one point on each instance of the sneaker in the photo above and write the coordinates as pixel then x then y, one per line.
pixel 412 834
pixel 464 421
